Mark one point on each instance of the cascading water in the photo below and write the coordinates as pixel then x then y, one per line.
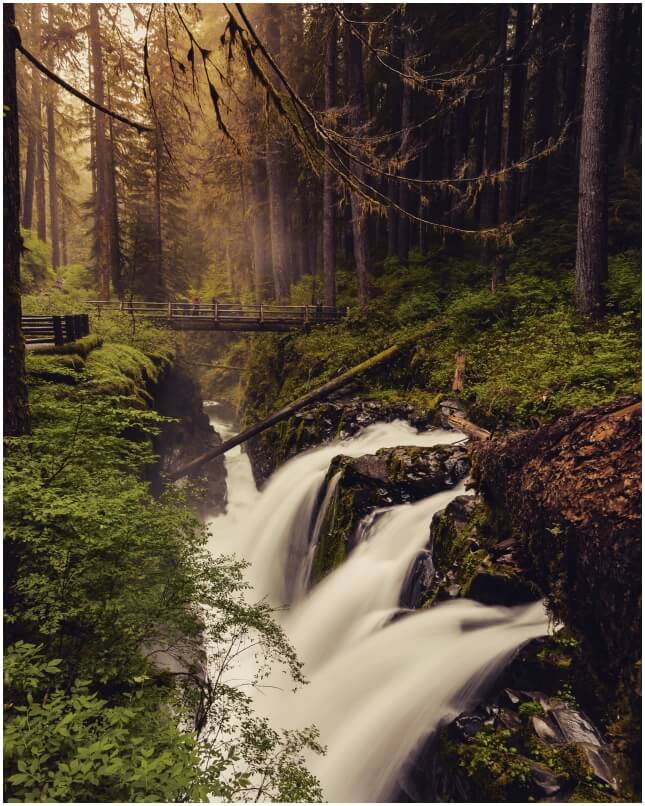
pixel 378 686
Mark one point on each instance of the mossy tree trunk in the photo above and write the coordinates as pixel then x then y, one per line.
pixel 17 420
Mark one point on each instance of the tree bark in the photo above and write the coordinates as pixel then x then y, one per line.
pixel 329 183
pixel 30 161
pixel 550 18
pixel 157 210
pixel 41 201
pixel 517 93
pixel 101 205
pixel 63 237
pixel 355 91
pixel 494 115
pixel 116 258
pixel 276 175
pixel 572 490
pixel 405 201
pixel 53 180
pixel 591 249
pixel 260 232
pixel 17 419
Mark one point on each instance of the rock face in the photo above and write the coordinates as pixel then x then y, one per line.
pixel 337 418
pixel 571 494
pixel 534 743
pixel 464 558
pixel 388 477
pixel 178 396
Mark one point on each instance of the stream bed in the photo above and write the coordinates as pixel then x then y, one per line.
pixel 378 685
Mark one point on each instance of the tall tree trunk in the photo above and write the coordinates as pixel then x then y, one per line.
pixel 460 136
pixel 572 105
pixel 51 154
pixel 394 104
pixel 17 419
pixel 101 206
pixel 355 91
pixel 550 18
pixel 63 237
pixel 30 162
pixel 53 180
pixel 276 175
pixel 591 249
pixel 329 185
pixel 260 232
pixel 157 212
pixel 116 258
pixel 494 115
pixel 405 201
pixel 510 188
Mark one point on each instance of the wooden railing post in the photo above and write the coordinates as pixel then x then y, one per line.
pixel 70 328
pixel 58 329
pixel 216 311
pixel 261 312
pixel 169 315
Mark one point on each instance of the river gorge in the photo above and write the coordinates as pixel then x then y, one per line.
pixel 381 678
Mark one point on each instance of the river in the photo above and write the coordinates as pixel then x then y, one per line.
pixel 377 687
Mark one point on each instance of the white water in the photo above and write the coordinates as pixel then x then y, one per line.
pixel 376 688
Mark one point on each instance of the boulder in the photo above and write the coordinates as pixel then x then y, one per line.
pixel 390 476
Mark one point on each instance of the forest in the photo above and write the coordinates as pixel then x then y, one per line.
pixel 322 339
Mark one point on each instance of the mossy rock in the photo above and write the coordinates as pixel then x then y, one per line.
pixel 389 477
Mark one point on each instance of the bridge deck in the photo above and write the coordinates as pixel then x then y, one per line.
pixel 225 316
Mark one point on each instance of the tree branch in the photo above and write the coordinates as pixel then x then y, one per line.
pixel 140 127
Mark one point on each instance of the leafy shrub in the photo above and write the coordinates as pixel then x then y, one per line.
pixel 78 277
pixel 625 282
pixel 99 576
pixel 35 262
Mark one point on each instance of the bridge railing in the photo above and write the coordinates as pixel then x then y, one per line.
pixel 57 330
pixel 223 311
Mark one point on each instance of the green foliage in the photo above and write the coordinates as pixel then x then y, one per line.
pixel 101 579
pixel 625 282
pixel 35 262
pixel 70 745
pixel 528 709
pixel 493 760
pixel 78 277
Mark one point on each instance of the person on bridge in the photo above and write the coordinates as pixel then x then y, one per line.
pixel 196 303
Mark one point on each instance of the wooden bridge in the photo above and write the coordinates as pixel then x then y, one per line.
pixel 224 315
pixel 43 329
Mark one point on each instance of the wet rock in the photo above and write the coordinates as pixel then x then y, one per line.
pixel 502 589
pixel 390 476
pixel 340 417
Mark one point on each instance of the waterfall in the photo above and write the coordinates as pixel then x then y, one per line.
pixel 378 686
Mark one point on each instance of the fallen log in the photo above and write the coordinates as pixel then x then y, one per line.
pixel 315 396
pixel 470 429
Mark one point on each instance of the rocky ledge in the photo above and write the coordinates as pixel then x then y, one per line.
pixel 338 418
pixel 388 477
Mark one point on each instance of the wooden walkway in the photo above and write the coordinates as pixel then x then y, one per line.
pixel 225 316
pixel 43 329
